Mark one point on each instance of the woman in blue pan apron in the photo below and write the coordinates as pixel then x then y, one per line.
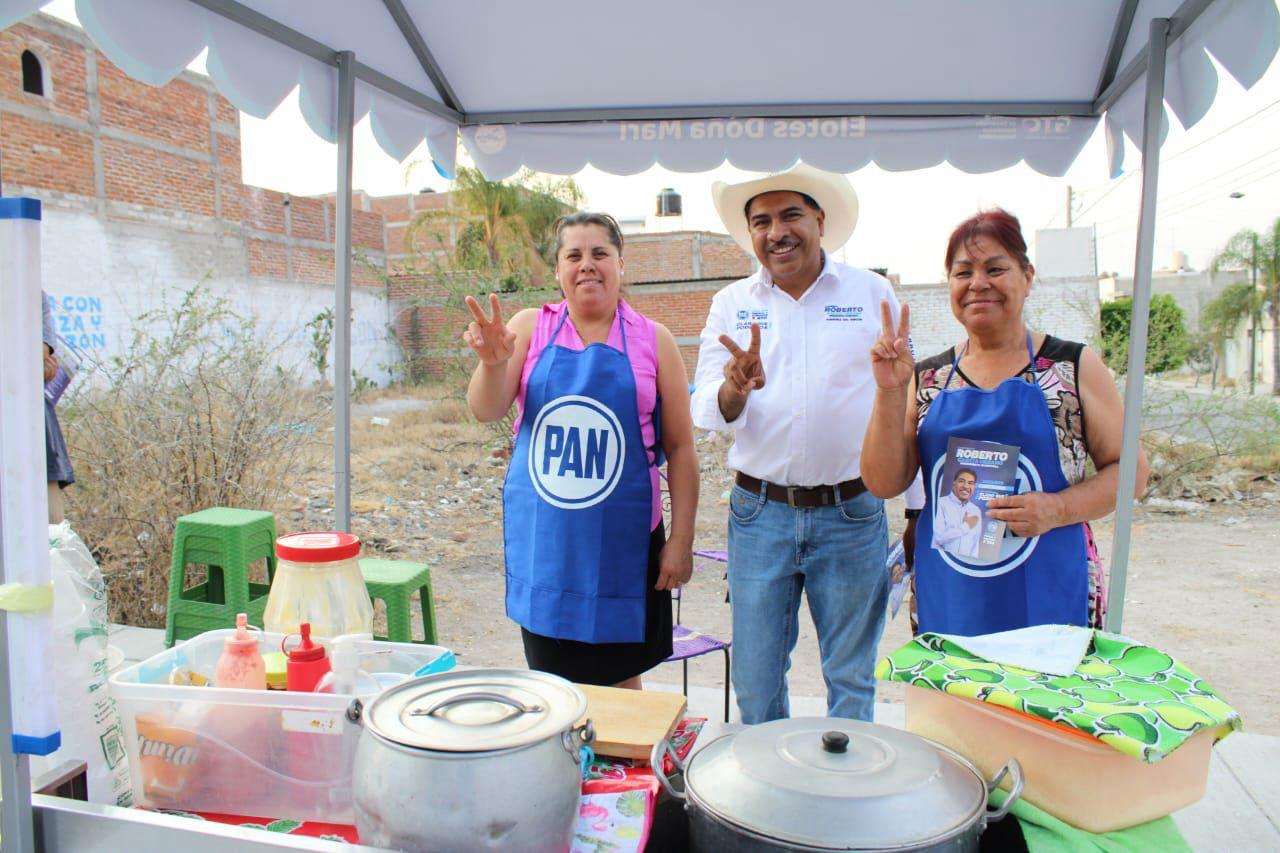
pixel 1053 399
pixel 602 396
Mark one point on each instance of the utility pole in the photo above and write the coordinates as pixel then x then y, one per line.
pixel 1253 316
pixel 1069 201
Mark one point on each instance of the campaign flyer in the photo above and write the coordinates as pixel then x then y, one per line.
pixel 899 577
pixel 68 364
pixel 973 474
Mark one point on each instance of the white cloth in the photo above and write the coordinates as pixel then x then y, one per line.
pixel 914 495
pixel 1055 649
pixel 805 426
pixel 951 533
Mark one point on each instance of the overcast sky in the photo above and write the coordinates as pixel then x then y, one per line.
pixel 905 217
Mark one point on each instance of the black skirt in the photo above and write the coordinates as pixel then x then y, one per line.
pixel 57 461
pixel 607 664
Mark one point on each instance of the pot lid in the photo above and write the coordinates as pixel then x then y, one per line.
pixel 477 710
pixel 836 784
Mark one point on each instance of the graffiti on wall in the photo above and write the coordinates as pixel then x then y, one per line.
pixel 79 321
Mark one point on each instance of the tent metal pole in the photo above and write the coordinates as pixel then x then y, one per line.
pixel 269 27
pixel 1119 37
pixel 413 36
pixel 1182 19
pixel 932 109
pixel 16 827
pixel 1153 117
pixel 342 310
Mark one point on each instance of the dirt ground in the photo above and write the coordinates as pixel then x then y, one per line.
pixel 1202 578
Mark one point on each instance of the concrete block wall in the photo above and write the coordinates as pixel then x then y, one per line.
pixel 1066 308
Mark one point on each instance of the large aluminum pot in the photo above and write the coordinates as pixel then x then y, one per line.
pixel 821 784
pixel 482 759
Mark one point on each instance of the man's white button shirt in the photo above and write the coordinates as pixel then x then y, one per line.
pixel 805 426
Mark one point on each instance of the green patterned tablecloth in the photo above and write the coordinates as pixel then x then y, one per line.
pixel 1132 697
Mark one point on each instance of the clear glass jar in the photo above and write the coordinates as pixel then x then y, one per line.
pixel 318 580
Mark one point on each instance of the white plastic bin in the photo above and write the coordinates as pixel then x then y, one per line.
pixel 264 753
pixel 1069 774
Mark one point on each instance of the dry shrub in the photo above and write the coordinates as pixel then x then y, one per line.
pixel 1209 446
pixel 196 414
pixel 450 410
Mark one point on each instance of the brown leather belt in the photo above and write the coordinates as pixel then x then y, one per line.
pixel 804 497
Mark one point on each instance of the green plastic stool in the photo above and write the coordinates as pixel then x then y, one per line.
pixel 227 541
pixel 394 581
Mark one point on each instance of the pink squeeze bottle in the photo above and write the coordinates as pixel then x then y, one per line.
pixel 241 664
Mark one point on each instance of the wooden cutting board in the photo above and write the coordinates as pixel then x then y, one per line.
pixel 629 722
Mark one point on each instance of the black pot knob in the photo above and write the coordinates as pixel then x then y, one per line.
pixel 835 741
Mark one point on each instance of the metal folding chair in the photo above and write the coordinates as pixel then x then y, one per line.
pixel 688 643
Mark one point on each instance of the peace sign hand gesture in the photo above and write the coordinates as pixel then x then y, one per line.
pixel 891 360
pixel 492 341
pixel 744 372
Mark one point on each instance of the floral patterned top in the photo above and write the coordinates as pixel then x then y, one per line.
pixel 1055 371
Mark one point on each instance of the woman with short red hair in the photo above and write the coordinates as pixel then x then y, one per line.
pixel 1052 399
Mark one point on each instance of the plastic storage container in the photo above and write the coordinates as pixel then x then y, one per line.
pixel 1069 774
pixel 318 580
pixel 265 753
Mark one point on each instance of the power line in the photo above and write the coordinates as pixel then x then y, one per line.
pixel 1186 207
pixel 1120 181
pixel 1201 184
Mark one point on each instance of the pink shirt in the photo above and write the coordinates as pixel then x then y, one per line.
pixel 642 349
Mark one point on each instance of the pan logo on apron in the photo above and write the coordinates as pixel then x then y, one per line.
pixel 1014 550
pixel 575 457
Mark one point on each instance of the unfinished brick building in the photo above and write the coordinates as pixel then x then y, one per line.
pixel 143 195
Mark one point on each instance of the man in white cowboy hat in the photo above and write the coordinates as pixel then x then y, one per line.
pixel 784 364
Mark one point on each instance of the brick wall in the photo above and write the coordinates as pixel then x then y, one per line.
pixel 406 249
pixel 120 165
pixel 683 256
pixel 168 156
pixel 429 327
pixel 143 195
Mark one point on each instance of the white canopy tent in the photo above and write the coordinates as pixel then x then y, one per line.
pixel 836 83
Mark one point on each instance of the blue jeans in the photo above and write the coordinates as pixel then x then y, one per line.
pixel 837 554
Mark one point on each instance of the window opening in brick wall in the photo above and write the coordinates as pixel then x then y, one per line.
pixel 33 81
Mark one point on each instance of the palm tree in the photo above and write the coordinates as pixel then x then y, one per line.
pixel 501 229
pixel 1260 254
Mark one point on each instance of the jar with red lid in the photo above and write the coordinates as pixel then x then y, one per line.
pixel 318 580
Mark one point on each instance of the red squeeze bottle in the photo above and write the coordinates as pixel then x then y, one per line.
pixel 307 662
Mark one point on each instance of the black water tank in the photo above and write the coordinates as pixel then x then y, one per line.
pixel 669 203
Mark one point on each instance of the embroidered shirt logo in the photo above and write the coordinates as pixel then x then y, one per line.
pixel 747 316
pixel 575 458
pixel 843 313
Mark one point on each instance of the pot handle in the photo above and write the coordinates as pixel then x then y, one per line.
pixel 578 738
pixel 662 749
pixel 1014 770
pixel 478 696
pixel 355 712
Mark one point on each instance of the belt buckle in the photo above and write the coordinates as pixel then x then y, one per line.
pixel 791 496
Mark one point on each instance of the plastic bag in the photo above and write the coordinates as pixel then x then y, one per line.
pixel 91 726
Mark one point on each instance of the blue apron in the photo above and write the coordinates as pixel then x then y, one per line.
pixel 1038 581
pixel 578 499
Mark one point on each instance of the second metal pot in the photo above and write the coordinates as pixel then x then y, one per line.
pixel 821 784
pixel 471 760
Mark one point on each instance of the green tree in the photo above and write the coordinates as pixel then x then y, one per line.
pixel 1167 340
pixel 503 228
pixel 1221 314
pixel 1260 254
